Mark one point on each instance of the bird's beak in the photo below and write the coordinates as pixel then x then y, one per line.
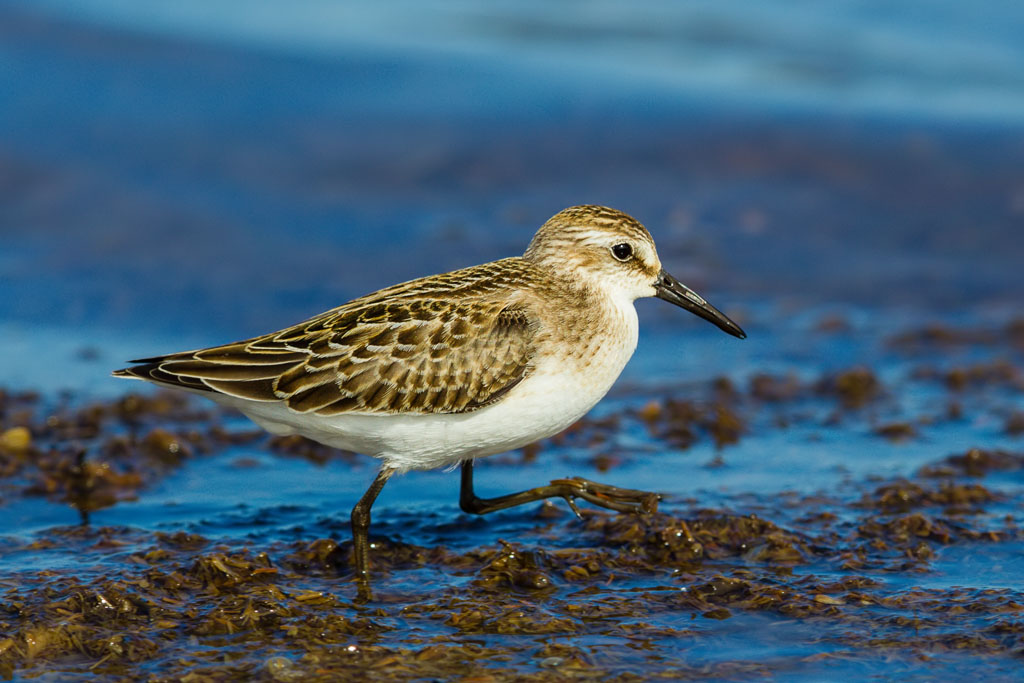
pixel 672 290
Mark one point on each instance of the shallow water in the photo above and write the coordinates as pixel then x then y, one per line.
pixel 876 556
pixel 166 187
pixel 867 57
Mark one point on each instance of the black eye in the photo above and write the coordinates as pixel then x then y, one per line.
pixel 623 251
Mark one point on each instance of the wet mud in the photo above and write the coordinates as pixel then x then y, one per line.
pixel 916 573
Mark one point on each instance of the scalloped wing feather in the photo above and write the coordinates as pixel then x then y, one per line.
pixel 400 350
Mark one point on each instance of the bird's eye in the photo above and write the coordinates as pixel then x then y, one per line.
pixel 622 251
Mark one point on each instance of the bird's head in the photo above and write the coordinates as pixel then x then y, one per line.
pixel 610 251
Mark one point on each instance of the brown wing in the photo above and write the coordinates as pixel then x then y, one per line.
pixel 410 355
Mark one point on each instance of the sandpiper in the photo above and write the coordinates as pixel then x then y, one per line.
pixel 442 370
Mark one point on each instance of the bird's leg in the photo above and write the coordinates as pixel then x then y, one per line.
pixel 361 525
pixel 602 495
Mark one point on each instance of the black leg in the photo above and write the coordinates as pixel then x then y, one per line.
pixel 602 495
pixel 361 525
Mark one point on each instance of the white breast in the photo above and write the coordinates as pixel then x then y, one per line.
pixel 563 386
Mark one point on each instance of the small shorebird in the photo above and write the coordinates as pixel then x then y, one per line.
pixel 438 371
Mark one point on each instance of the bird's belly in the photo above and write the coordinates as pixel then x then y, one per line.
pixel 560 389
pixel 543 404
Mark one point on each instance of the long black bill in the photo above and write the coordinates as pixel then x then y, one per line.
pixel 674 291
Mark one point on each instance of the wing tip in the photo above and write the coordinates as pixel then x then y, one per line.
pixel 152 372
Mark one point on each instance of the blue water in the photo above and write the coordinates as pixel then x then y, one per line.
pixel 927 57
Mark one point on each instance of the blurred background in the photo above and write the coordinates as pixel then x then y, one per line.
pixel 845 179
pixel 179 174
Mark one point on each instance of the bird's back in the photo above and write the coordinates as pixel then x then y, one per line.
pixel 447 343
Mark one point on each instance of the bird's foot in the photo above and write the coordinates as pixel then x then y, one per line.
pixel 603 495
pixel 364 592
